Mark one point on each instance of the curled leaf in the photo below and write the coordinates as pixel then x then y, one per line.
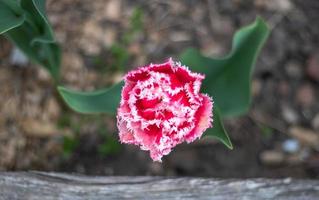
pixel 228 79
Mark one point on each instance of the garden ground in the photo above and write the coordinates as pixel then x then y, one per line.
pixel 279 137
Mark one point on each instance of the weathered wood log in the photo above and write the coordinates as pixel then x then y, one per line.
pixel 47 186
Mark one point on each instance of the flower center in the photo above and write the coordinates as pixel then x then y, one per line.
pixel 159 106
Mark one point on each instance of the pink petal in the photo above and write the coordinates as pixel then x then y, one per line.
pixel 203 119
pixel 161 107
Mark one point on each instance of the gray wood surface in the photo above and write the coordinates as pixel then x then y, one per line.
pixel 45 186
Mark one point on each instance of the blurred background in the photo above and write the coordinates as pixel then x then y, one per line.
pixel 102 39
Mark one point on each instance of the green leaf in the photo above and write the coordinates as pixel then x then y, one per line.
pixel 46 54
pixel 228 79
pixel 35 36
pixel 11 15
pixel 103 101
pixel 218 131
pixel 37 16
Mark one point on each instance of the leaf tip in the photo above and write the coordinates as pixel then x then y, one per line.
pixel 227 142
pixel 262 23
pixel 61 90
pixel 230 146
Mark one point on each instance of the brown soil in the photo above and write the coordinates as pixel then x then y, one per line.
pixel 34 121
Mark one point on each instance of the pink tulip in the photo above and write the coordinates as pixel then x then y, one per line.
pixel 161 107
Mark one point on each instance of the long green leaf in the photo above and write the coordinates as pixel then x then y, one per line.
pixel 103 101
pixel 228 79
pixel 107 100
pixel 46 54
pixel 34 36
pixel 11 15
pixel 37 16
